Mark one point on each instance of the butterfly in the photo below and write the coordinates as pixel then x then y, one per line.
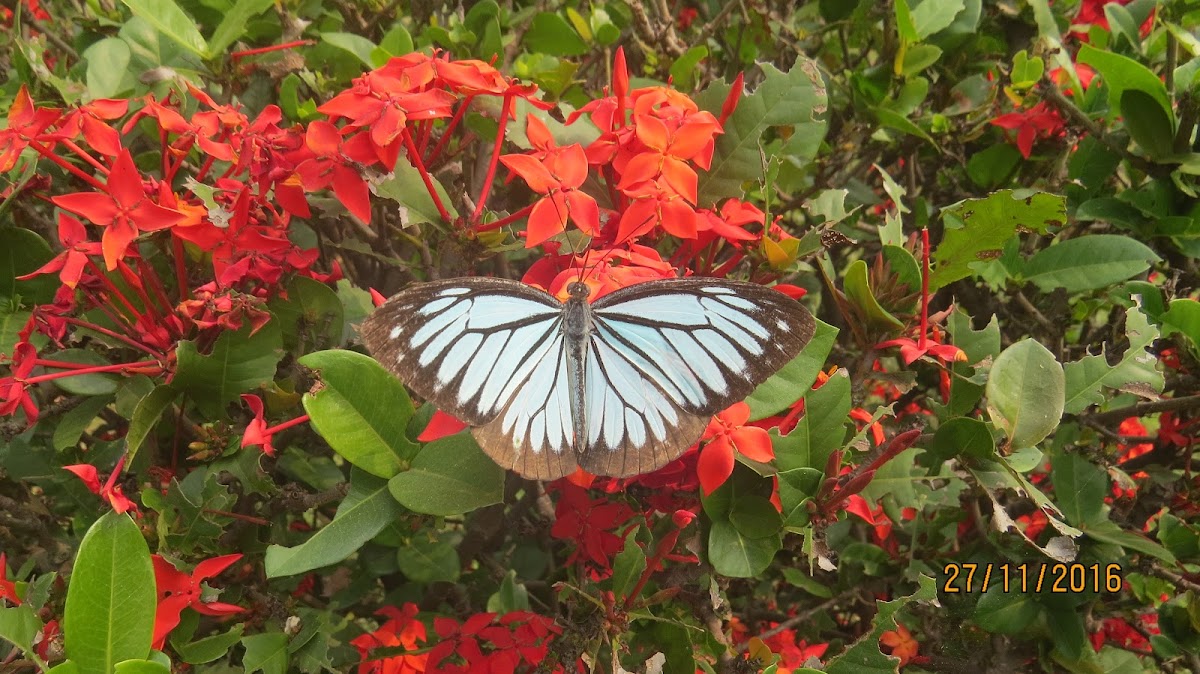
pixel 620 386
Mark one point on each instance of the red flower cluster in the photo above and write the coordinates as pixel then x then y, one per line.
pixel 590 524
pixel 178 590
pixel 487 642
pixel 794 653
pixel 403 630
pixel 1041 122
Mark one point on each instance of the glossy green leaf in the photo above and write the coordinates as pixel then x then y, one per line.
pixel 238 363
pixel 1079 487
pixel 1148 123
pixel 736 555
pixel 512 596
pixel 366 510
pixel 146 414
pixel 933 16
pixel 209 648
pixel 111 599
pixel 791 382
pixel 684 69
pixel 857 287
pixel 1107 531
pixel 408 190
pixel 551 34
pixel 311 314
pixel 72 424
pixel 141 667
pixel 1183 317
pixel 449 477
pixel 918 57
pixel 1026 393
pixel 427 561
pixel 754 516
pixel 357 45
pixel 1137 369
pixel 961 436
pixel 19 625
pixel 821 430
pixel 795 99
pixel 993 166
pixel 977 228
pixel 267 652
pixel 628 566
pixel 1026 71
pixel 360 410
pixel 1003 612
pixel 101 384
pixel 234 22
pixel 1088 263
pixel 171 21
pixel 11 324
pixel 108 68
pixel 1122 73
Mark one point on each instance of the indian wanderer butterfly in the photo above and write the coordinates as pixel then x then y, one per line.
pixel 620 386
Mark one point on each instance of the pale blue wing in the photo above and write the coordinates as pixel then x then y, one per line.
pixel 488 351
pixel 666 355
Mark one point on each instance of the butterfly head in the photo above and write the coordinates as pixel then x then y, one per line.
pixel 579 291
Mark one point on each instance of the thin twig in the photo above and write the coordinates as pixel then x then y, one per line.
pixel 1144 408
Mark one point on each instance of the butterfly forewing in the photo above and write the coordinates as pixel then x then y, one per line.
pixel 661 358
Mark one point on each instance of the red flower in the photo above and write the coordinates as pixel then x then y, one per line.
pixel 26 122
pixel 14 393
pixel 123 211
pixel 8 590
pixel 256 430
pixel 725 433
pixel 489 643
pixel 178 590
pixel 69 263
pixel 901 642
pixel 910 349
pixel 91 120
pixel 1040 121
pixel 590 523
pixel 557 175
pixel 440 425
pixel 329 166
pixel 49 641
pixel 402 629
pixel 110 491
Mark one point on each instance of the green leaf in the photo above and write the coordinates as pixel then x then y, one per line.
pixel 733 554
pixel 357 45
pixel 169 20
pixel 72 424
pixel 1025 391
pixel 905 26
pixel 512 596
pixel 790 383
pixel 1183 316
pixel 111 598
pixel 449 477
pixel 239 363
pixel 19 625
pixel 976 228
pixel 997 477
pixel 428 561
pixel 108 68
pixel 628 566
pixel 1026 71
pixel 549 33
pixel 1003 612
pixel 408 190
pixel 961 436
pixel 141 667
pixel 1107 531
pixel 934 16
pixel 918 57
pixel 146 414
pixel 992 167
pixel 821 430
pixel 360 410
pixel 234 22
pixel 367 509
pixel 1137 369
pixel 1088 263
pixel 1079 488
pixel 312 314
pixel 683 70
pixel 858 291
pixel 101 384
pixel 864 656
pixel 11 324
pixel 209 648
pixel 1120 74
pixel 795 99
pixel 1147 123
pixel 754 516
pixel 265 652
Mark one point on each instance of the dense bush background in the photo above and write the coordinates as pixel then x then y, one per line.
pixel 990 207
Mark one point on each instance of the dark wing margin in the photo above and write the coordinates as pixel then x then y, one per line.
pixel 459 342
pixel 666 355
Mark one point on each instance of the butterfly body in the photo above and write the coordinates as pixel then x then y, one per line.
pixel 620 386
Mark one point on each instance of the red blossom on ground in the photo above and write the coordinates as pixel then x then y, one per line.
pixel 403 630
pixel 178 590
pixel 726 433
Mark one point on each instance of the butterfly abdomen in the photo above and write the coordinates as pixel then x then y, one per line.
pixel 577 330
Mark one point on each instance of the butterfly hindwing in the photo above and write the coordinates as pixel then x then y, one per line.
pixel 666 355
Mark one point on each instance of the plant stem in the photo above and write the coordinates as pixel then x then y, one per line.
pixel 505 109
